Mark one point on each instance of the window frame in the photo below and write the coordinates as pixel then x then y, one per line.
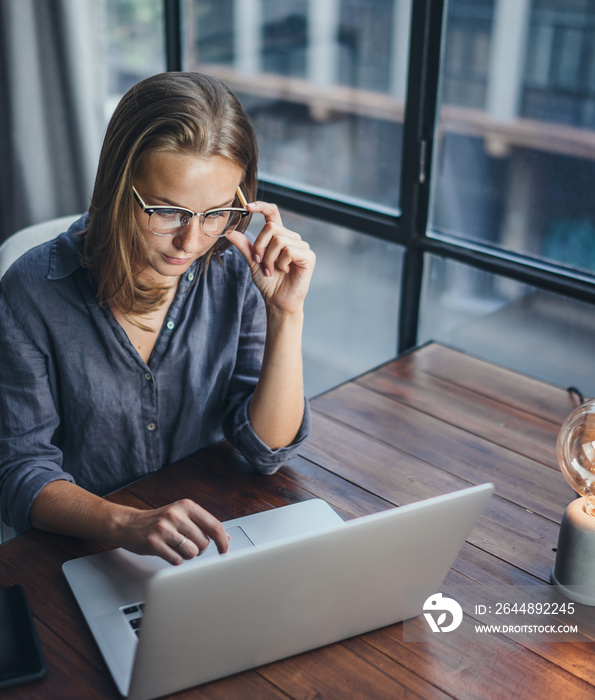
pixel 409 228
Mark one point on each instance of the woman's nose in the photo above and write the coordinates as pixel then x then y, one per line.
pixel 189 238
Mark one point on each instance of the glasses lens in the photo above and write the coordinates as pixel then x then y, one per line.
pixel 168 221
pixel 221 221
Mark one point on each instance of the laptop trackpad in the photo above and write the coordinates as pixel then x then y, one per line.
pixel 239 540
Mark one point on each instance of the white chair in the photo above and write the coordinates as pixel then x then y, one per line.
pixel 12 248
pixel 20 242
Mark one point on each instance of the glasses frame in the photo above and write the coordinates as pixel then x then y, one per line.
pixel 150 210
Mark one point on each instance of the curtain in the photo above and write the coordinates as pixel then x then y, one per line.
pixel 52 96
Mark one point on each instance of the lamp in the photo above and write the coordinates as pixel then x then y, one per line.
pixel 574 571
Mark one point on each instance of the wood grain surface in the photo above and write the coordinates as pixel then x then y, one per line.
pixel 430 422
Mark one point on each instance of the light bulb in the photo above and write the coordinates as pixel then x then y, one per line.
pixel 575 450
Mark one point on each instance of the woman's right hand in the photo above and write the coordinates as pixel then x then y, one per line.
pixel 175 532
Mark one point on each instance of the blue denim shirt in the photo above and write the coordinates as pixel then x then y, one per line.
pixel 77 402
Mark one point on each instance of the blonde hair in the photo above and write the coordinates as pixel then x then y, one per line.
pixel 173 112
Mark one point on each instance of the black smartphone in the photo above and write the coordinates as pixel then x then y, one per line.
pixel 21 655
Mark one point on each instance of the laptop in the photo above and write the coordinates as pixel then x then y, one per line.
pixel 295 578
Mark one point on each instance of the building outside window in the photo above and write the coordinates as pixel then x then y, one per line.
pixel 513 170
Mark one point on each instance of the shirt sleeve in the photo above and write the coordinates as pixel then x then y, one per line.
pixel 28 421
pixel 259 455
pixel 237 427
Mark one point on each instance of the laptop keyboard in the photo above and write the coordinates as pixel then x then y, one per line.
pixel 133 615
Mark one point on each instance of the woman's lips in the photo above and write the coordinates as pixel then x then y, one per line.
pixel 175 261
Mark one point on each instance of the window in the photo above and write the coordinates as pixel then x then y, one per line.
pixel 559 81
pixel 515 161
pixel 439 154
pixel 467 53
pixel 543 335
pixel 135 45
pixel 512 180
pixel 324 83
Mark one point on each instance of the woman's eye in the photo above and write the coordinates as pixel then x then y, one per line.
pixel 169 214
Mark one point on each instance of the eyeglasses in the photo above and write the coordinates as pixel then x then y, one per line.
pixel 215 223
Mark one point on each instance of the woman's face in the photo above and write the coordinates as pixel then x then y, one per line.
pixel 182 180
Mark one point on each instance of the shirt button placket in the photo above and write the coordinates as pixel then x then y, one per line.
pixel 151 426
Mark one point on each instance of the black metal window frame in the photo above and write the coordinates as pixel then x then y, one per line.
pixel 409 228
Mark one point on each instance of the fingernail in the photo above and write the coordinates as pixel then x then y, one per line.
pixel 267 272
pixel 257 258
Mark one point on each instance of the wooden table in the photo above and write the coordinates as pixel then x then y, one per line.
pixel 430 422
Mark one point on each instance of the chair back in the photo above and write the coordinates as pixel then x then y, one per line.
pixel 21 241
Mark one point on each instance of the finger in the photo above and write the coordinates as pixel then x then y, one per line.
pixel 241 242
pixel 271 240
pixel 262 242
pixel 269 211
pixel 273 222
pixel 159 547
pixel 292 256
pixel 283 251
pixel 197 525
pixel 190 545
pixel 211 527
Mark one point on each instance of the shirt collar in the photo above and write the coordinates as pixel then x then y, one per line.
pixel 67 250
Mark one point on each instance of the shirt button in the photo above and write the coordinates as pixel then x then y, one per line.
pixel 151 426
pixel 148 376
pixel 190 276
pixel 170 325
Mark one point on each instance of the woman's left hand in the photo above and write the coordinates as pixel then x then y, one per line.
pixel 280 261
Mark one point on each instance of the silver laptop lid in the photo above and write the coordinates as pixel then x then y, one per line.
pixel 108 583
pixel 253 607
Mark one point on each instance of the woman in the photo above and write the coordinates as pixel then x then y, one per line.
pixel 153 327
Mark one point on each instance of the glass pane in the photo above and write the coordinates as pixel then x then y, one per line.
pixel 515 157
pixel 135 44
pixel 352 306
pixel 540 334
pixel 324 83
